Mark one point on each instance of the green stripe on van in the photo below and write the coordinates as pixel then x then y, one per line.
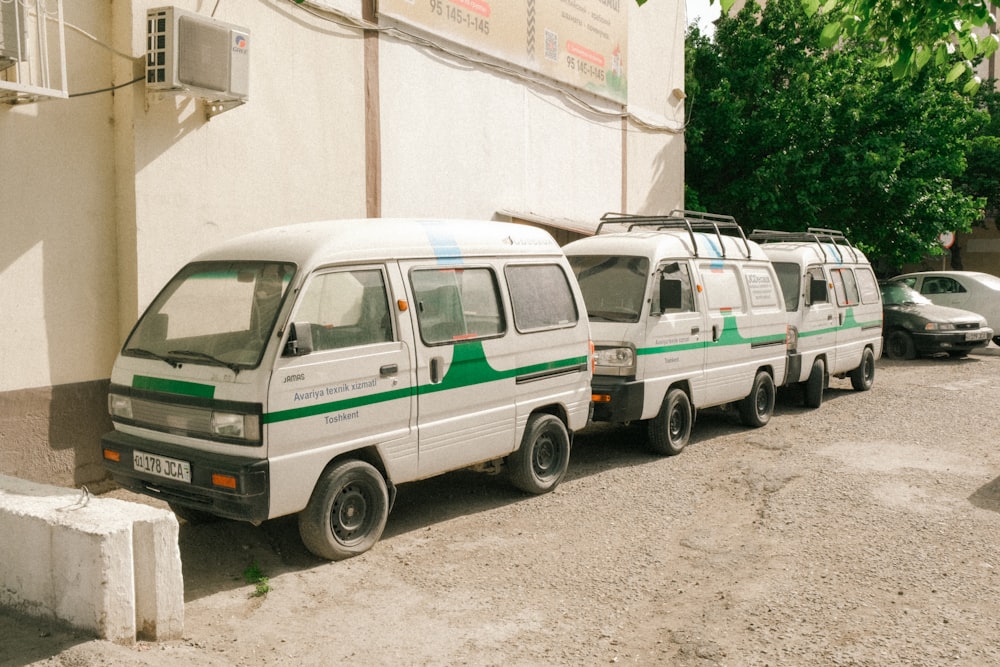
pixel 468 367
pixel 849 323
pixel 730 336
pixel 173 386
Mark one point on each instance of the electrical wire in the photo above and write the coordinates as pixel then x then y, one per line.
pixel 110 88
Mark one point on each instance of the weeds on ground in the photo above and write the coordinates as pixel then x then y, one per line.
pixel 254 575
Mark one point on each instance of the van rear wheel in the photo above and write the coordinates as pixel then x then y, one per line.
pixel 815 384
pixel 668 432
pixel 541 461
pixel 756 409
pixel 863 377
pixel 347 511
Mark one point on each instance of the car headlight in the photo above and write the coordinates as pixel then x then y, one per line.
pixel 236 425
pixel 939 326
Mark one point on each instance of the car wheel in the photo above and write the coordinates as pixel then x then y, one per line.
pixel 899 345
pixel 347 511
pixel 815 384
pixel 668 432
pixel 996 340
pixel 756 409
pixel 541 461
pixel 863 377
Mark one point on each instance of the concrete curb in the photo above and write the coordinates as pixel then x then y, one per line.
pixel 100 564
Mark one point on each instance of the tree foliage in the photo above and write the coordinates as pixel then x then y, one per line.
pixel 907 34
pixel 785 136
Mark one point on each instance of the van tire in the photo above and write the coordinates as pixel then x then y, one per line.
pixel 669 431
pixel 756 409
pixel 347 511
pixel 863 377
pixel 813 387
pixel 541 461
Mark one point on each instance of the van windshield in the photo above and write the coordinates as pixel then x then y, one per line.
pixel 213 313
pixel 613 286
pixel 789 275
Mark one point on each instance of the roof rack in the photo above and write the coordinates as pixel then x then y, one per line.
pixel 691 221
pixel 816 235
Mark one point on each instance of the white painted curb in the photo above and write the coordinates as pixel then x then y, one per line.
pixel 99 564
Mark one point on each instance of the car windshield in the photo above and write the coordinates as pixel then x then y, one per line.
pixel 213 313
pixel 614 287
pixel 899 294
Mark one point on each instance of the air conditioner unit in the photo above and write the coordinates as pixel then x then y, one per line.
pixel 196 54
pixel 13 34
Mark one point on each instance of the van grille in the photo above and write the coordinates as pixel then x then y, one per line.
pixel 171 417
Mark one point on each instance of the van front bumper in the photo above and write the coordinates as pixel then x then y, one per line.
pixel 243 494
pixel 617 399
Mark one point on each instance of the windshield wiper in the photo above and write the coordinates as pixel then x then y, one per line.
pixel 143 352
pixel 204 356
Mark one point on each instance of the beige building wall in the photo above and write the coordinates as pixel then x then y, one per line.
pixel 105 196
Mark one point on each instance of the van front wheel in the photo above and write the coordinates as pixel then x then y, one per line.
pixel 815 384
pixel 347 511
pixel 668 432
pixel 756 409
pixel 541 461
pixel 863 377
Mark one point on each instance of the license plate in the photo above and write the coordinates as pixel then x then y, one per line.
pixel 162 466
pixel 977 335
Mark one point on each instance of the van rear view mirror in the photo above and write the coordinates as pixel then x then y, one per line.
pixel 817 291
pixel 300 340
pixel 670 294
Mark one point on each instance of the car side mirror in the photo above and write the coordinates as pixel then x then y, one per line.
pixel 300 340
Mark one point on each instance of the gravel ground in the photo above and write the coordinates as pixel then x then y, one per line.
pixel 864 533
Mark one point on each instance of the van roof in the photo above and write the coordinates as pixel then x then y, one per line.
pixel 827 246
pixel 331 241
pixel 667 243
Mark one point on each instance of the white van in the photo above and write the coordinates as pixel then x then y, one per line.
pixel 686 313
pixel 312 368
pixel 834 307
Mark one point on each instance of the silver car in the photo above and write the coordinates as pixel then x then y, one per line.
pixel 969 290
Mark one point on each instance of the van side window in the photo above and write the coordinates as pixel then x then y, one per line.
pixel 868 285
pixel 722 287
pixel 346 308
pixel 540 296
pixel 456 304
pixel 760 287
pixel 676 278
pixel 845 287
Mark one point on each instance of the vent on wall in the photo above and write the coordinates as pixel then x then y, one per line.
pixel 196 54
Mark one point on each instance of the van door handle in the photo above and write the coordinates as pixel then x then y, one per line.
pixel 695 331
pixel 388 369
pixel 715 333
pixel 436 364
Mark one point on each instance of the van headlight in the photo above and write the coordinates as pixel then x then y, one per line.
pixel 614 360
pixel 120 406
pixel 236 425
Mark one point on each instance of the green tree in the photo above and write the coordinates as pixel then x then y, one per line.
pixel 907 34
pixel 785 136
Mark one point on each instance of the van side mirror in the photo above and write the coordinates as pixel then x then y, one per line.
pixel 817 291
pixel 670 294
pixel 300 340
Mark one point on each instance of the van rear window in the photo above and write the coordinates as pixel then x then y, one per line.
pixel 540 296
